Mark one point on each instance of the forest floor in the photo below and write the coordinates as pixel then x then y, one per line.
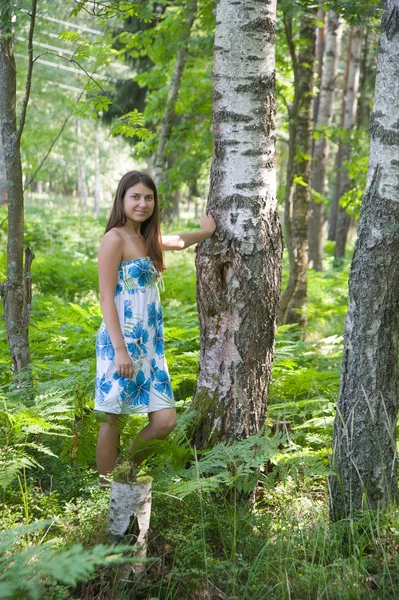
pixel 245 521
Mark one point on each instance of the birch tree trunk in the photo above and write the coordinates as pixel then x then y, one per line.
pixel 169 113
pixel 321 146
pixel 364 447
pixel 332 222
pixel 298 194
pixel 343 219
pixel 239 267
pixel 16 291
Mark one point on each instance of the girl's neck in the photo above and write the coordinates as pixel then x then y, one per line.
pixel 132 228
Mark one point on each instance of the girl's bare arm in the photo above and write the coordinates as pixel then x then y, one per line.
pixel 179 241
pixel 109 258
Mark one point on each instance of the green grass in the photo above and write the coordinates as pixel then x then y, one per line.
pixel 249 521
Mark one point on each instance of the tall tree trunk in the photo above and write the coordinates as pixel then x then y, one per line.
pixel 16 291
pixel 349 114
pixel 321 146
pixel 320 48
pixel 239 267
pixel 169 112
pixel 364 448
pixel 3 180
pixel 298 196
pixel 332 222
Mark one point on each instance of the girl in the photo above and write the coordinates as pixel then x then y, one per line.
pixel 132 374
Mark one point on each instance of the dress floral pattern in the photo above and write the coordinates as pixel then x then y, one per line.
pixel 140 316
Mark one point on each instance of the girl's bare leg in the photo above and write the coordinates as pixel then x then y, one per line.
pixel 162 422
pixel 108 445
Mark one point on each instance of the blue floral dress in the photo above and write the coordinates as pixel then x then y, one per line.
pixel 140 316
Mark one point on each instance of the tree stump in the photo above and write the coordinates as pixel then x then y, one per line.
pixel 129 514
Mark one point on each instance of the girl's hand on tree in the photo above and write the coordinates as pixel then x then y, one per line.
pixel 124 364
pixel 207 223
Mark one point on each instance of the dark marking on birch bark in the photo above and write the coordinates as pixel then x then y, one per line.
pixel 390 22
pixel 261 24
pixel 260 85
pixel 378 131
pixel 223 116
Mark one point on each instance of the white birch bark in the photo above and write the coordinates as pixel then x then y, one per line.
pixel 349 117
pixel 239 268
pixel 364 447
pixel 321 146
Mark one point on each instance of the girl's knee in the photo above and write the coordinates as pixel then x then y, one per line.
pixel 165 423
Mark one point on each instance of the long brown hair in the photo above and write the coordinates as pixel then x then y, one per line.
pixel 150 229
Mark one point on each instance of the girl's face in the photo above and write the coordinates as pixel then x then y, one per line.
pixel 139 202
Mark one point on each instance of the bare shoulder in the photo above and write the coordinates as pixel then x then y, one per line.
pixel 112 240
pixel 111 247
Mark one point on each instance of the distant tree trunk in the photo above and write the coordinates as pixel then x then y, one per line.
pixel 81 168
pixel 16 291
pixel 363 75
pixel 321 146
pixel 364 447
pixel 332 223
pixel 368 68
pixel 320 48
pixel 3 181
pixel 169 112
pixel 97 171
pixel 345 184
pixel 239 267
pixel 294 299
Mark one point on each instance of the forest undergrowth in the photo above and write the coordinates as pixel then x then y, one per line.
pixel 246 520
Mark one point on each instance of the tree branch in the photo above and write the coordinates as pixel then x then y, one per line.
pixel 51 146
pixel 30 68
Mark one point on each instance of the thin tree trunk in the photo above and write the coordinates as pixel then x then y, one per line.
pixel 361 113
pixel 294 299
pixel 320 49
pixel 321 146
pixel 239 267
pixel 169 112
pixel 332 223
pixel 364 447
pixel 345 183
pixel 3 180
pixel 16 291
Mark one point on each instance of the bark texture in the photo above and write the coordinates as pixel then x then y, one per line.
pixel 3 180
pixel 364 448
pixel 239 268
pixel 321 146
pixel 169 113
pixel 15 293
pixel 298 193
